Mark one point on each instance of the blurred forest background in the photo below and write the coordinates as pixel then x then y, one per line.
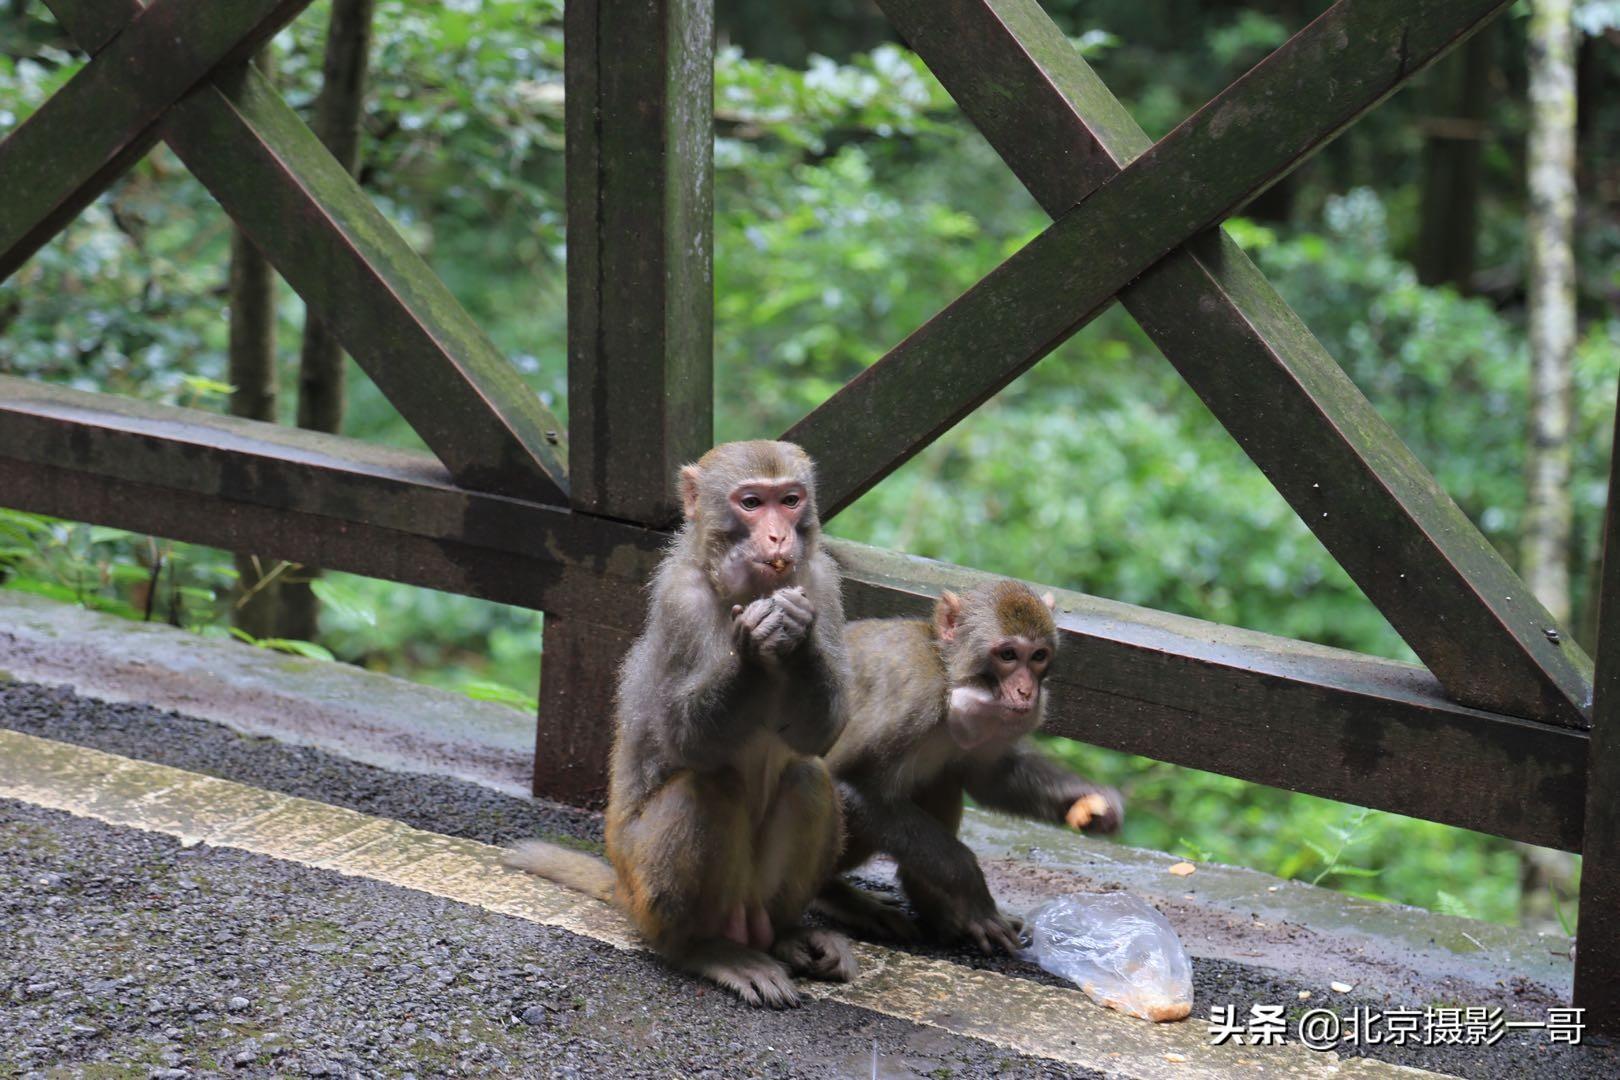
pixel 852 202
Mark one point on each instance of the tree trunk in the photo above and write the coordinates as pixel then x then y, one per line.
pixel 1552 302
pixel 338 112
pixel 253 374
pixel 1453 139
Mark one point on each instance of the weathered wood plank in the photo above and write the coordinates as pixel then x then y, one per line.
pixel 1022 84
pixel 64 155
pixel 1597 961
pixel 1275 711
pixel 389 310
pixel 312 498
pixel 93 23
pixel 1244 139
pixel 1262 373
pixel 1268 709
pixel 640 83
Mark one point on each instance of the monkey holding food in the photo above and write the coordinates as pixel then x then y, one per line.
pixel 939 708
pixel 722 821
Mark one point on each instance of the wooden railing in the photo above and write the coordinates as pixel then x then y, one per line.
pixel 1495 733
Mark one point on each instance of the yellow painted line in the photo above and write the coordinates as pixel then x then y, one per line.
pixel 1020 1015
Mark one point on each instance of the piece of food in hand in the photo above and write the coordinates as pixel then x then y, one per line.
pixel 1085 808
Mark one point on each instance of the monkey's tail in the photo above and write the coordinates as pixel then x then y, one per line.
pixel 576 870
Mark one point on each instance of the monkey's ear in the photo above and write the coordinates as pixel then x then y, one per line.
pixel 689 491
pixel 947 613
pixel 1049 600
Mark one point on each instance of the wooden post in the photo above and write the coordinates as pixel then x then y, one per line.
pixel 578 670
pixel 1597 961
pixel 640 90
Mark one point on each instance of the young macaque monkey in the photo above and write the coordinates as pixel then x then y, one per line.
pixel 722 823
pixel 939 708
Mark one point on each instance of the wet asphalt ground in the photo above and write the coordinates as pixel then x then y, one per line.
pixel 125 954
pixel 130 955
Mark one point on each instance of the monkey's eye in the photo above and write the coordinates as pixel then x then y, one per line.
pixel 1040 655
pixel 790 501
pixel 751 502
pixel 1008 654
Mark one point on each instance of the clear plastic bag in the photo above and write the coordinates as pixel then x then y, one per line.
pixel 1117 949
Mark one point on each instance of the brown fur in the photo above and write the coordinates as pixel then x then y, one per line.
pixel 902 776
pixel 717 801
pixel 999 609
pixel 1017 610
pixel 575 869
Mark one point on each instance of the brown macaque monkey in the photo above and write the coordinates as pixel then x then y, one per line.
pixel 722 822
pixel 939 708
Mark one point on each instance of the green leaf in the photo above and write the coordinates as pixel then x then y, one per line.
pixel 1353 871
pixel 203 386
pixel 480 690
pixel 24 522
pixel 298 648
pixel 343 600
pixel 1448 904
pixel 50 589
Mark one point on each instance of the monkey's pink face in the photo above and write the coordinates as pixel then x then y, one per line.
pixel 771 511
pixel 1003 704
pixel 1018 665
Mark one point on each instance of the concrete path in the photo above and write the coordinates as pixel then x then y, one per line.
pixel 151 874
pixel 1017 1026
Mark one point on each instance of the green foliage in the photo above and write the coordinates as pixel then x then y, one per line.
pixel 115 571
pixel 307 649
pixel 343 601
pixel 452 642
pixel 482 690
pixel 1448 904
pixel 1333 862
pixel 1383 856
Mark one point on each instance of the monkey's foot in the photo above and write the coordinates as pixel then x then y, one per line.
pixel 992 932
pixel 751 975
pixel 865 913
pixel 817 954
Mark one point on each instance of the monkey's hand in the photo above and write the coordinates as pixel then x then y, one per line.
pixel 775 625
pixel 995 931
pixel 1096 809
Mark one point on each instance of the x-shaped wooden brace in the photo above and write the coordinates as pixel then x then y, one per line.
pixel 175 70
pixel 1134 221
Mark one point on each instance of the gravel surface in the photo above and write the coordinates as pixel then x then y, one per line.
pixel 465 809
pixel 127 954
